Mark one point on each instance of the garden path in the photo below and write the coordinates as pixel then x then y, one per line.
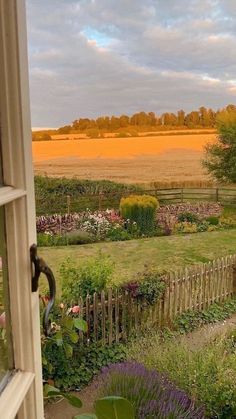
pixel 198 338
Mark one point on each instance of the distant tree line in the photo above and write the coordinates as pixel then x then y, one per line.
pixel 202 118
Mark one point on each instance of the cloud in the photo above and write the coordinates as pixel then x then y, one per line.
pixel 93 57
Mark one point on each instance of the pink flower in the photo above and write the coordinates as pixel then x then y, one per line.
pixel 75 309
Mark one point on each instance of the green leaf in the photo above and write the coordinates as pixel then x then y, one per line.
pixel 68 323
pixel 50 389
pixel 68 350
pixel 114 408
pixel 58 338
pixel 86 416
pixel 81 324
pixel 73 400
pixel 73 337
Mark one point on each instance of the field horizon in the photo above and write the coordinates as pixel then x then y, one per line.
pixel 131 160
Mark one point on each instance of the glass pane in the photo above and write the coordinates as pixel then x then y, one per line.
pixel 6 361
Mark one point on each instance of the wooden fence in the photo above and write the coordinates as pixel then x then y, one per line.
pixel 113 316
pixel 102 201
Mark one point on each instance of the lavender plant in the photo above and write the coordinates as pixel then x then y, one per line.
pixel 151 393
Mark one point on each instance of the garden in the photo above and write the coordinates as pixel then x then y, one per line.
pixel 139 216
pixel 106 333
pixel 145 324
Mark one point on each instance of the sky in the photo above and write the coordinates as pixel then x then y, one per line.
pixel 89 58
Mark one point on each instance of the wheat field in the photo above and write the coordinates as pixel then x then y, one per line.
pixel 138 159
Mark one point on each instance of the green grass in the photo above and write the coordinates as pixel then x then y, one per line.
pixel 130 257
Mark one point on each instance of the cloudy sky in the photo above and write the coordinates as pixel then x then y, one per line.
pixel 102 57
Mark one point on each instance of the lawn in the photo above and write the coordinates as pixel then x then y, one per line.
pixel 171 253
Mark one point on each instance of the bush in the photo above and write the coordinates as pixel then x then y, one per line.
pixel 50 193
pixel 90 276
pixel 213 220
pixel 147 287
pixel 119 234
pixel 79 237
pixel 140 209
pixel 151 393
pixel 189 217
pixel 186 227
pixel 228 222
pixel 46 240
pixel 77 371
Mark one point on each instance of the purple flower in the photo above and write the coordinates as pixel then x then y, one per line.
pixel 152 394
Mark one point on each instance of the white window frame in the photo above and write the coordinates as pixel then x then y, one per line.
pixel 23 394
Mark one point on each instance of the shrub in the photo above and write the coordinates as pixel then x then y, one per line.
pixel 228 222
pixel 47 239
pixel 119 234
pixel 77 371
pixel 79 237
pixel 90 276
pixel 186 227
pixel 140 209
pixel 213 220
pixel 148 286
pixel 151 393
pixel 50 193
pixel 189 217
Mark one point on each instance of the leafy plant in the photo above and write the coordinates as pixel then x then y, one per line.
pixel 151 393
pixel 190 320
pixel 140 209
pixel 186 227
pixel 190 217
pixel 79 237
pixel 147 287
pixel 78 370
pixel 63 336
pixel 213 220
pixel 90 276
pixel 111 407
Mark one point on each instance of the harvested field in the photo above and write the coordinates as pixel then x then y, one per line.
pixel 136 159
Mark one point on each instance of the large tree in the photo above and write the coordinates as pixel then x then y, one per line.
pixel 220 159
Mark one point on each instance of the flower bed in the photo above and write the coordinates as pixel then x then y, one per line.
pixel 88 227
pixel 168 215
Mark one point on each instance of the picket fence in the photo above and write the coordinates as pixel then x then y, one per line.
pixel 114 315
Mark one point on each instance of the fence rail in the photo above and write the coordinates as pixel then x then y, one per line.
pixel 67 204
pixel 113 315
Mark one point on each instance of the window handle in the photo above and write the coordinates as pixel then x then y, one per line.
pixel 39 266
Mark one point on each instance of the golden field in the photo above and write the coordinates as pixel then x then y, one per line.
pixel 137 159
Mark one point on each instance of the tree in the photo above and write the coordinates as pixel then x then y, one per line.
pixel 220 158
pixel 181 118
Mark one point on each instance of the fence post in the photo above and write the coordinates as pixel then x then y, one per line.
pixel 68 203
pixel 217 194
pixel 234 279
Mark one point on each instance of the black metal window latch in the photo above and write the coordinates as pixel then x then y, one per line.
pixel 39 266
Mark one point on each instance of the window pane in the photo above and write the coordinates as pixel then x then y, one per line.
pixel 6 361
